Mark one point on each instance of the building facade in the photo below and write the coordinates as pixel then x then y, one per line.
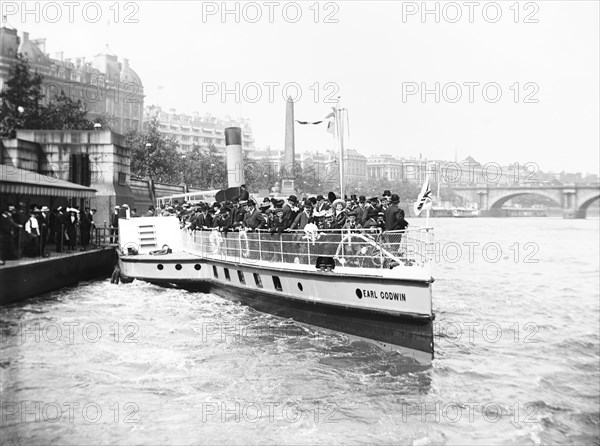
pixel 190 130
pixel 103 84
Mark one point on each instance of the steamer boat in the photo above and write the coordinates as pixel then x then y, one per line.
pixel 367 284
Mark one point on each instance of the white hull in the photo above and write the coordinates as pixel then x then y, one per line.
pixel 366 303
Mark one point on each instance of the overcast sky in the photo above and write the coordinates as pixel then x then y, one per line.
pixel 377 56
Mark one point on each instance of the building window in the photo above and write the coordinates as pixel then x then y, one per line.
pixel 122 179
pixel 277 283
pixel 257 280
pixel 227 276
pixel 215 272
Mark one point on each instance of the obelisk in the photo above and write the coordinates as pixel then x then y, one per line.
pixel 289 154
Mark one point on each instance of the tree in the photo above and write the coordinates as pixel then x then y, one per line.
pixel 22 99
pixel 159 159
pixel 62 113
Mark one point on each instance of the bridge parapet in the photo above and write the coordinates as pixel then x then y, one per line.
pixel 574 199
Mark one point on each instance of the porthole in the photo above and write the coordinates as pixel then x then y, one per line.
pixel 300 287
pixel 178 267
pixel 159 267
pixel 197 267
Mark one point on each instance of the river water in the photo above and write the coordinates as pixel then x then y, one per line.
pixel 517 358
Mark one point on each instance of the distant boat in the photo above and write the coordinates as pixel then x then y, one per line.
pixel 465 213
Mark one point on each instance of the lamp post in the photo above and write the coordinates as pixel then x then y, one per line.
pixel 148 145
pixel 183 157
pixel 211 175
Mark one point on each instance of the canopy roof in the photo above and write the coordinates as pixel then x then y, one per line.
pixel 25 182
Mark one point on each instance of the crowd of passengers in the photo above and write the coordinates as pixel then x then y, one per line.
pixel 277 215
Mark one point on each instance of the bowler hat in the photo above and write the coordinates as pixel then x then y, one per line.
pixel 362 199
pixel 293 199
pixel 395 198
pixel 386 193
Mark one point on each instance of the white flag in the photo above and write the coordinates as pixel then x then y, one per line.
pixel 424 200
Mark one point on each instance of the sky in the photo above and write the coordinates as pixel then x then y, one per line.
pixel 506 82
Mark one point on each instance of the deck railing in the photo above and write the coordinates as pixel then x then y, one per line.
pixel 359 248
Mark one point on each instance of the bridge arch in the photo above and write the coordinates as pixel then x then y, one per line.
pixel 498 202
pixel 582 210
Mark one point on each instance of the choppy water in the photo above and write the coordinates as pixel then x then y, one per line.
pixel 517 358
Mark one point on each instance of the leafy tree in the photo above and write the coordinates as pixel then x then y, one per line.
pixel 62 113
pixel 22 99
pixel 159 159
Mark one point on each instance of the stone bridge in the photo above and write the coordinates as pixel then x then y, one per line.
pixel 574 199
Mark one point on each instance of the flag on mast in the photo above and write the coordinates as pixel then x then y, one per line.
pixel 424 200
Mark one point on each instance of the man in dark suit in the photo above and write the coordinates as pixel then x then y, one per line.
pixel 60 226
pixel 394 216
pixel 394 221
pixel 254 219
pixel 85 224
pixel 303 218
pixel 290 210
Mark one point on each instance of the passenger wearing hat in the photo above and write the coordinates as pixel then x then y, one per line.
pixel 371 221
pixel 290 210
pixel 350 220
pixel 339 218
pixel 304 217
pixel 277 225
pixel 394 216
pixel 361 211
pixel 254 219
pixel 223 221
pixel 322 204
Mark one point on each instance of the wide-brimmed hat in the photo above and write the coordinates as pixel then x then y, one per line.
pixel 45 209
pixel 338 201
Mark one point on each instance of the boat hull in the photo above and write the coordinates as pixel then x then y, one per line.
pixel 395 314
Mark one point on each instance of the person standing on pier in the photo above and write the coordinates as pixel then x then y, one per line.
pixel 32 241
pixel 114 225
pixel 8 227
pixel 44 223
pixel 72 223
pixel 86 226
pixel 60 224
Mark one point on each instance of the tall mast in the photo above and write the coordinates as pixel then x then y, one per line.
pixel 340 143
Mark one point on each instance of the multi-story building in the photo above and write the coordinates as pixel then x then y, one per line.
pixel 355 166
pixel 190 130
pixel 103 84
pixel 384 167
